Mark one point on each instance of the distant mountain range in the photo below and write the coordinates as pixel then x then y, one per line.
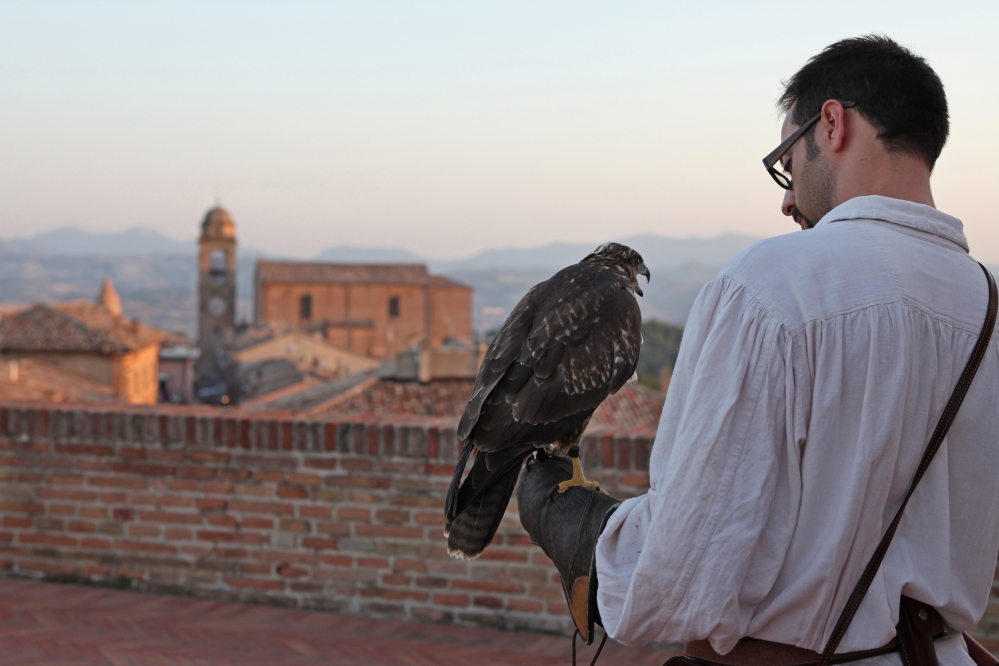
pixel 659 251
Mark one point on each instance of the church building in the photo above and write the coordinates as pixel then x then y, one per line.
pixel 376 310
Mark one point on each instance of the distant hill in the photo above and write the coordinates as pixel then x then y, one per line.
pixel 137 240
pixel 658 251
pixel 348 254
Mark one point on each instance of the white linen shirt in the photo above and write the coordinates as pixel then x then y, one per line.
pixel 812 373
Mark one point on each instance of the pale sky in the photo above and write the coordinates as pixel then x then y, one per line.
pixel 446 127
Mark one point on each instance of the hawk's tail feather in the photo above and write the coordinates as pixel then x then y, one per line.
pixel 473 529
pixel 451 503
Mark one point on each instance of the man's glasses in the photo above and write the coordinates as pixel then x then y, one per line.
pixel 771 160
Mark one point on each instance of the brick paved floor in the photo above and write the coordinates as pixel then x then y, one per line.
pixel 68 625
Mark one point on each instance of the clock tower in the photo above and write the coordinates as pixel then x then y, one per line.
pixel 216 295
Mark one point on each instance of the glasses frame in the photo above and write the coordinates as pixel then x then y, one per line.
pixel 771 160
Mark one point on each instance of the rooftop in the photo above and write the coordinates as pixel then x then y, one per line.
pixel 300 272
pixel 78 326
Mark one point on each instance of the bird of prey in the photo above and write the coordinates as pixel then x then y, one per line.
pixel 571 341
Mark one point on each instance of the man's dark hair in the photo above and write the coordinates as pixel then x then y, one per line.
pixel 895 90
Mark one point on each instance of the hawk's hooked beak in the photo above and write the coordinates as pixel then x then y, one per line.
pixel 642 270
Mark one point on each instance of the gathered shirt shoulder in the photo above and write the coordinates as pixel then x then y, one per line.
pixel 812 373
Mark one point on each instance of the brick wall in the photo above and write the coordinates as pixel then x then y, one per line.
pixel 345 516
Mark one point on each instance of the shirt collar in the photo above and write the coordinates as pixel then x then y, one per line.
pixel 896 211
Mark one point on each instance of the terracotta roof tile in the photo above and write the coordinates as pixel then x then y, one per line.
pixel 74 327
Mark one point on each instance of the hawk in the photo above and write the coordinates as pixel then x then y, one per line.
pixel 571 341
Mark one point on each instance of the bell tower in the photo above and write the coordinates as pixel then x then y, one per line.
pixel 216 294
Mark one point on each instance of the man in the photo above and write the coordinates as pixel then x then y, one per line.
pixel 812 373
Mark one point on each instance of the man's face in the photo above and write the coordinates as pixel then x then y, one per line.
pixel 814 183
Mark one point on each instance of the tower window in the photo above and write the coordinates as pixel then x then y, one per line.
pixel 217 266
pixel 305 305
pixel 394 306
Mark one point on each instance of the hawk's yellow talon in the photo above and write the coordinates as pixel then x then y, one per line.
pixel 578 480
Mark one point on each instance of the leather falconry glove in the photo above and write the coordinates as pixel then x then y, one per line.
pixel 566 526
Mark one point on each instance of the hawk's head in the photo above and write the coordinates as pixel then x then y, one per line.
pixel 615 254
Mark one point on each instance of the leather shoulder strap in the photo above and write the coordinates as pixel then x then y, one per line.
pixel 950 411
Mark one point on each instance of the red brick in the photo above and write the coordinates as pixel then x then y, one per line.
pixel 178 534
pixel 91 465
pixel 94 570
pixel 131 453
pixel 219 487
pixel 113 498
pixel 395 579
pixel 81 526
pixel 316 542
pixel 95 544
pixel 291 525
pixel 58 493
pixel 524 606
pixel 458 600
pixel 395 595
pixel 488 602
pixel 357 464
pixel 438 470
pixel 221 520
pixel 118 482
pixel 286 556
pixel 289 571
pixel 254 489
pixel 142 469
pixel 372 562
pixel 292 492
pixel 97 512
pixel 359 481
pixel 62 509
pixel 210 503
pixel 246 506
pixel 321 463
pixel 255 584
pixel 418 566
pixel 210 456
pixel 143 530
pixel 337 560
pixel 66 479
pixel 147 499
pixel 46 539
pixel 13 521
pixel 185 485
pixel 122 514
pixel 397 531
pixel 505 587
pixel 22 507
pixel 196 472
pixel 258 523
pixel 170 517
pixel 230 537
pixel 168 456
pixel 315 511
pixel 303 479
pixel 234 474
pixel 85 449
pixel 393 516
pixel 339 529
pixel 353 513
pixel 177 500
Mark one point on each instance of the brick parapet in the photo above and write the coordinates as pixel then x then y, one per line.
pixel 337 514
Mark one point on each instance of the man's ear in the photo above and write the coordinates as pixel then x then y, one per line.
pixel 832 125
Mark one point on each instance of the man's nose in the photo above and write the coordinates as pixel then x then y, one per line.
pixel 788 206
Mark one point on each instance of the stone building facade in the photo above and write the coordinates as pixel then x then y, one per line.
pixel 373 310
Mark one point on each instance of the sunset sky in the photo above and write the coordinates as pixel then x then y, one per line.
pixel 446 127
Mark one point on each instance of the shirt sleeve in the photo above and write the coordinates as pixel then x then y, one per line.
pixel 691 558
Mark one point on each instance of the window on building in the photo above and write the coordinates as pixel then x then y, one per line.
pixel 217 266
pixel 394 306
pixel 306 307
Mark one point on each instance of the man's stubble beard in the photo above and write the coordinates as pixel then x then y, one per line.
pixel 815 187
